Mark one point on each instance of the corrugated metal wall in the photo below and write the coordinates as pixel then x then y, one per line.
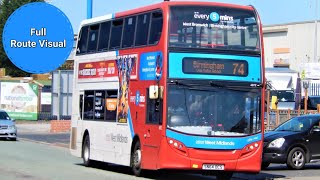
pixel 314 89
pixel 62 93
pixel 298 37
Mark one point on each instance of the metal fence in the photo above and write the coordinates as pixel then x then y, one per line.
pixel 277 117
pixel 314 89
pixel 49 116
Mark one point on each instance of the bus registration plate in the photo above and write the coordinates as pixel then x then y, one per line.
pixel 213 166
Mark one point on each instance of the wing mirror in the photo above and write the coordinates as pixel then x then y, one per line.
pixel 155 92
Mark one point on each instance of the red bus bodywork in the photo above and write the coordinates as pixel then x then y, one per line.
pixel 157 152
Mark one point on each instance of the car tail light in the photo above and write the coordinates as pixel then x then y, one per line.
pixel 178 146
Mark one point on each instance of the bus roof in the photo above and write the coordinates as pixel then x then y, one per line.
pixel 157 6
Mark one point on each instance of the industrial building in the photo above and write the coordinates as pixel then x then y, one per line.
pixel 293 45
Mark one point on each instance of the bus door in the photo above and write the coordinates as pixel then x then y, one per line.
pixel 152 132
pixel 79 119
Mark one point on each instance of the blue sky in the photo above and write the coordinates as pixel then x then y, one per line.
pixel 271 11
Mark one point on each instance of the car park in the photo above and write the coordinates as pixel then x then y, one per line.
pixel 294 142
pixel 8 127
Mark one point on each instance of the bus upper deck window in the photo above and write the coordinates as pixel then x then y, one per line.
pixel 104 36
pixel 156 27
pixel 142 29
pixel 93 38
pixel 129 30
pixel 82 41
pixel 116 33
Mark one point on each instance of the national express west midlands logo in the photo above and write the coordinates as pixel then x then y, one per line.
pixel 214 16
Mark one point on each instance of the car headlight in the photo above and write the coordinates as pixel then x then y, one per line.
pixel 277 143
pixel 12 127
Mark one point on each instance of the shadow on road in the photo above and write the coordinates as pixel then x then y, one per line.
pixel 110 167
pixel 173 175
pixel 260 176
pixel 6 139
pixel 283 167
pixel 62 139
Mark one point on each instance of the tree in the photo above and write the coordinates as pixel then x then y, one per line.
pixel 7 7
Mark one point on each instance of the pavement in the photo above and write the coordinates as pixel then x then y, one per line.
pixel 33 127
pixel 39 132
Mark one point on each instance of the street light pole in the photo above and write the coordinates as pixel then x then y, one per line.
pixel 89 9
pixel 316 35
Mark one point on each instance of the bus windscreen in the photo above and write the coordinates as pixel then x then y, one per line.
pixel 210 27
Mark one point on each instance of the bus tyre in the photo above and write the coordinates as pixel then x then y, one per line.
pixel 265 165
pixel 136 159
pixel 224 176
pixel 86 151
pixel 296 158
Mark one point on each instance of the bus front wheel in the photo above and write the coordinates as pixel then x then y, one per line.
pixel 86 151
pixel 136 159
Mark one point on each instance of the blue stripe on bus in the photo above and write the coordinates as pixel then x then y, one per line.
pixel 213 142
pixel 113 15
pixel 175 67
pixel 117 53
pixel 130 123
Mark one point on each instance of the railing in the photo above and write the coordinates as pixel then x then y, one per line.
pixel 48 116
pixel 277 117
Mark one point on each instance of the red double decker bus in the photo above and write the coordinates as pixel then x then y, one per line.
pixel 174 85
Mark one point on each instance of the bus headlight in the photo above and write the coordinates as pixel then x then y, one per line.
pixel 178 146
pixel 277 143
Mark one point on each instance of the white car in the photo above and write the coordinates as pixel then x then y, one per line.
pixel 8 127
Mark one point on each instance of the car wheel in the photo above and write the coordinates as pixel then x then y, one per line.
pixel 136 159
pixel 86 151
pixel 296 158
pixel 224 176
pixel 265 165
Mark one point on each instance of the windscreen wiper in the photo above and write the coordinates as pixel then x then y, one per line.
pixel 230 86
pixel 215 84
pixel 179 83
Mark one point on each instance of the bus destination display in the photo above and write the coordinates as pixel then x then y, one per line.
pixel 226 67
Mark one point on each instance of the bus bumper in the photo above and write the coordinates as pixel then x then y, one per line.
pixel 196 159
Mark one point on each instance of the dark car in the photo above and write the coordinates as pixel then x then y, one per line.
pixel 295 142
pixel 312 102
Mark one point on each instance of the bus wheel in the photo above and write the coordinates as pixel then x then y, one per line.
pixel 224 176
pixel 86 151
pixel 136 159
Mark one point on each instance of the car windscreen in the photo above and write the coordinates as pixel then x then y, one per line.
pixel 211 27
pixel 298 124
pixel 283 95
pixel 4 116
pixel 314 101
